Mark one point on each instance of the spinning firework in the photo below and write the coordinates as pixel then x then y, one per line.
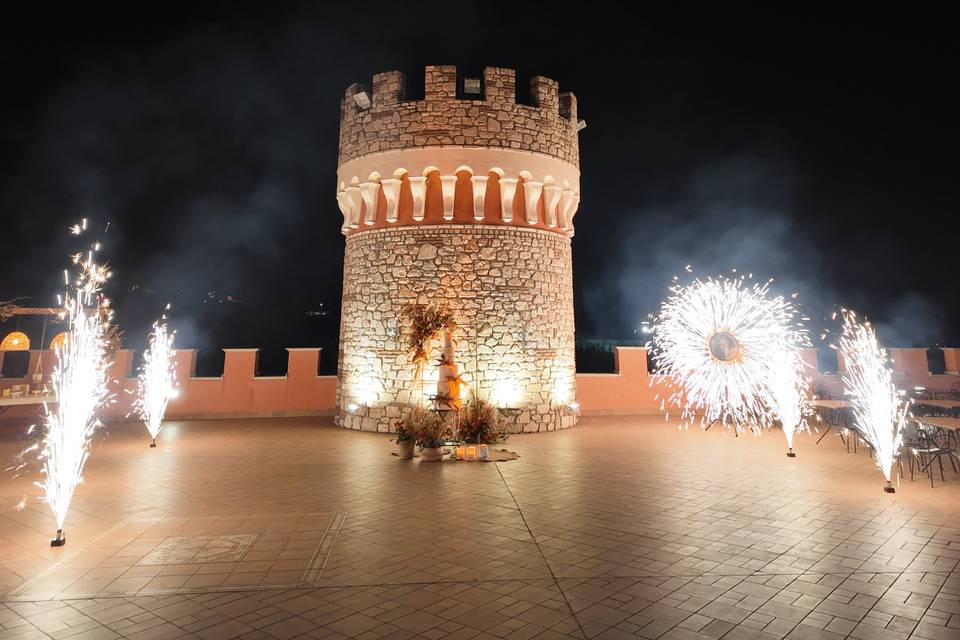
pixel 879 411
pixel 157 383
pixel 79 384
pixel 722 342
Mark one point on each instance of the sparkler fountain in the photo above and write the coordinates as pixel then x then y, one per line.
pixel 157 382
pixel 879 410
pixel 791 389
pixel 79 385
pixel 720 342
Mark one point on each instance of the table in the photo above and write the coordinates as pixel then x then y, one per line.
pixel 949 406
pixel 950 424
pixel 833 408
pixel 7 403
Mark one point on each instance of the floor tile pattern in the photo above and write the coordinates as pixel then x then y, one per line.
pixel 154 557
pixel 619 528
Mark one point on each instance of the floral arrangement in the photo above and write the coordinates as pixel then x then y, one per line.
pixel 425 322
pixel 429 428
pixel 403 432
pixel 480 422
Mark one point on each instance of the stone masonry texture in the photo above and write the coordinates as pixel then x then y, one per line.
pixel 509 286
pixel 441 119
pixel 512 291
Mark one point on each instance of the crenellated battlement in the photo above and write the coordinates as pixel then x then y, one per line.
pixel 449 116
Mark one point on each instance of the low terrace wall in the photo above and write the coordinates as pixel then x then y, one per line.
pixel 239 392
pixel 632 389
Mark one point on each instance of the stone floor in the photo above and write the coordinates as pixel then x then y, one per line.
pixel 619 528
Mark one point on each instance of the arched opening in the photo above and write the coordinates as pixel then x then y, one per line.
pixel 58 340
pixel 492 212
pixel 405 203
pixel 15 341
pixel 463 198
pixel 433 209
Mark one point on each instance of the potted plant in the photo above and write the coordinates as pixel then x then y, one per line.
pixel 479 423
pixel 405 438
pixel 432 431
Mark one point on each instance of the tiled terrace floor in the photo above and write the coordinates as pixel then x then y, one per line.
pixel 620 528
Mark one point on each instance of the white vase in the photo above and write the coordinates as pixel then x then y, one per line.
pixel 431 454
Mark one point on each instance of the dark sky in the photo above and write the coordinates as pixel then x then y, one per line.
pixel 819 150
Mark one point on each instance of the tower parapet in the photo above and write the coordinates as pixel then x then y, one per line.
pixel 447 159
pixel 469 202
pixel 494 119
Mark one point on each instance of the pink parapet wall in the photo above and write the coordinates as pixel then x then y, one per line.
pixel 240 393
pixel 237 393
pixel 633 390
pixel 629 390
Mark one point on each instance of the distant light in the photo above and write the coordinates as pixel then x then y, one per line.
pixel 362 99
pixel 352 408
pixel 575 406
pixel 581 125
pixel 471 85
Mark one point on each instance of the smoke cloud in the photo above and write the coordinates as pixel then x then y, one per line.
pixel 738 213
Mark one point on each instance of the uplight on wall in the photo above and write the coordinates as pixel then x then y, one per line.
pixel 362 99
pixel 562 392
pixel 365 384
pixel 506 393
pixel 366 391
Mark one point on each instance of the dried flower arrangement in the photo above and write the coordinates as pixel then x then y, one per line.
pixel 480 422
pixel 428 427
pixel 426 321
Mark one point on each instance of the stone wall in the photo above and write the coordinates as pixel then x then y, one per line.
pixel 441 119
pixel 513 294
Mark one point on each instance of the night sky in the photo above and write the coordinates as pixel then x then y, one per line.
pixel 818 150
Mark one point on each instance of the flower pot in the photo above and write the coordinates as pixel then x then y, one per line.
pixel 405 448
pixel 431 454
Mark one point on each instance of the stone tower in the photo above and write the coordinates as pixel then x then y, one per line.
pixel 464 197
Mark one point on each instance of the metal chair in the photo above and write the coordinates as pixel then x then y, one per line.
pixel 925 445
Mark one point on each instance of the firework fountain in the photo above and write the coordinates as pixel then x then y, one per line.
pixel 730 350
pixel 879 410
pixel 157 382
pixel 79 384
pixel 790 387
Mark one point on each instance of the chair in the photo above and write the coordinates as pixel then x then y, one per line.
pixel 925 445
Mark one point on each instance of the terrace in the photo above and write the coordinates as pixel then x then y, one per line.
pixel 623 527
